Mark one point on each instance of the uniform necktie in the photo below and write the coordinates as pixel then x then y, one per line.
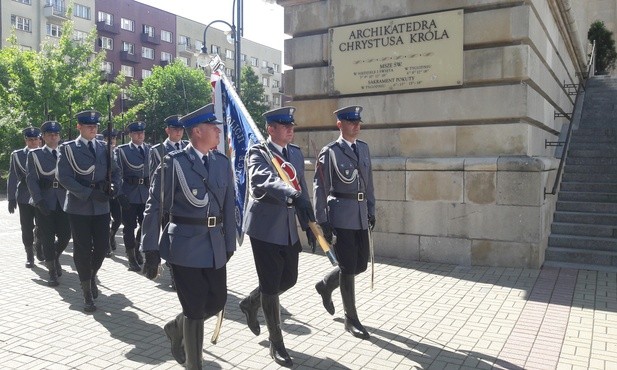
pixel 54 153
pixel 205 158
pixel 177 146
pixel 285 154
pixel 141 150
pixel 355 149
pixel 91 148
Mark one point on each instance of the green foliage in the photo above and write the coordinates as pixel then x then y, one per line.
pixel 252 93
pixel 173 89
pixel 605 47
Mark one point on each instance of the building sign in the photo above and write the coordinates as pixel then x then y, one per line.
pixel 416 52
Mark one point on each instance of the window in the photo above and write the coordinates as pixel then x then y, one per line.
pixel 229 54
pixel 54 30
pixel 276 67
pixel 277 100
pixel 127 24
pixel 266 98
pixel 27 2
pixel 254 61
pixel 265 81
pixel 275 83
pixel 166 36
pixel 148 30
pixel 243 57
pixel 145 73
pixel 229 72
pixel 128 47
pixel 107 18
pixel 106 43
pixel 107 67
pixel 166 56
pixel 184 40
pixel 20 23
pixel 184 60
pixel 198 45
pixel 127 71
pixel 264 63
pixel 81 11
pixel 214 49
pixel 147 53
pixel 80 35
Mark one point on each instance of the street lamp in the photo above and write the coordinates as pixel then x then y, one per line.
pixel 236 27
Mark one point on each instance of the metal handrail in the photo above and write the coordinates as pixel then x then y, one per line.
pixel 562 161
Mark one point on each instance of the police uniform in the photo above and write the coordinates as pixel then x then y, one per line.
pixel 82 170
pixel 270 221
pixel 48 196
pixel 115 210
pixel 133 162
pixel 199 197
pixel 345 202
pixel 19 196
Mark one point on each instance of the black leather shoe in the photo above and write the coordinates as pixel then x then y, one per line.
pixel 279 354
pixel 29 264
pixel 355 328
pixel 326 296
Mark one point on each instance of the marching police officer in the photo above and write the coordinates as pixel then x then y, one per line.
pixel 195 187
pixel 48 196
pixel 270 221
pixel 174 131
pixel 17 191
pixel 133 159
pixel 345 205
pixel 82 170
pixel 114 205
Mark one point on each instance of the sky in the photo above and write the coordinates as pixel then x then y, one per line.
pixel 263 19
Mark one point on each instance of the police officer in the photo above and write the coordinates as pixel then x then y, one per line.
pixel 48 197
pixel 195 186
pixel 82 170
pixel 270 221
pixel 174 131
pixel 345 205
pixel 114 205
pixel 17 191
pixel 133 160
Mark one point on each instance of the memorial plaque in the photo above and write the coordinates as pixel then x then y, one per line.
pixel 416 52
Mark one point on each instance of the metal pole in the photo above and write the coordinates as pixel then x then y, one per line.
pixel 237 41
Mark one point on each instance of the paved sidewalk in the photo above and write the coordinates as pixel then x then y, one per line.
pixel 420 315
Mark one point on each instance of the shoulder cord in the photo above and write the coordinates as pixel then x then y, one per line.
pixel 21 167
pixel 343 178
pixel 71 158
pixel 199 203
pixel 39 167
pixel 129 164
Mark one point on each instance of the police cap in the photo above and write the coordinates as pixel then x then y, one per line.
pixel 284 116
pixel 204 114
pixel 51 126
pixel 174 121
pixel 136 126
pixel 88 117
pixel 351 113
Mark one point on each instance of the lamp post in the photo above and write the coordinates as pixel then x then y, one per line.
pixel 237 29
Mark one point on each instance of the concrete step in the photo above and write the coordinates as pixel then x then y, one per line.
pixel 591 153
pixel 592 207
pixel 585 218
pixel 582 196
pixel 591 161
pixel 590 177
pixel 584 132
pixel 589 187
pixel 592 139
pixel 594 168
pixel 564 228
pixel 555 257
pixel 583 242
pixel 592 146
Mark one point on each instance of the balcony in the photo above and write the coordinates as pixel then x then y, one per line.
pixel 126 57
pixel 186 49
pixel 109 28
pixel 164 63
pixel 156 40
pixel 267 71
pixel 55 12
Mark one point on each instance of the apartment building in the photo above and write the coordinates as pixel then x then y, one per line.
pixel 136 37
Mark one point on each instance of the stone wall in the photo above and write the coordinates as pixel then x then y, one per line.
pixel 460 172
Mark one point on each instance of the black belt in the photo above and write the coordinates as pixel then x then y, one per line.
pixel 211 221
pixel 269 200
pixel 101 185
pixel 45 184
pixel 137 180
pixel 357 196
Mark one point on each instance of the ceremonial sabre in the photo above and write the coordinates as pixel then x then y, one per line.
pixel 217 328
pixel 372 252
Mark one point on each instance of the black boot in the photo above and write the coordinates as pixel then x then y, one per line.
pixel 133 265
pixel 193 331
pixel 249 307
pixel 88 300
pixel 325 288
pixel 112 239
pixel 348 293
pixel 58 266
pixel 29 256
pixel 53 274
pixel 174 331
pixel 272 312
pixel 171 276
pixel 38 245
pixel 95 289
pixel 138 257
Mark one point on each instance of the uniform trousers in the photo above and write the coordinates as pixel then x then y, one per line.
pixel 26 220
pixel 56 224
pixel 352 250
pixel 276 265
pixel 202 291
pixel 90 243
pixel 130 218
pixel 116 213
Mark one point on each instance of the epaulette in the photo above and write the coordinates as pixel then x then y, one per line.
pixel 155 146
pixel 176 153
pixel 219 153
pixel 332 144
pixel 294 145
pixel 360 141
pixel 36 149
pixel 101 141
pixel 122 145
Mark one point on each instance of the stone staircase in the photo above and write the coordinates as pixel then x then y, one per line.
pixel 584 229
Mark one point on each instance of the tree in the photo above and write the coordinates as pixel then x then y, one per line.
pixel 605 47
pixel 252 95
pixel 173 89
